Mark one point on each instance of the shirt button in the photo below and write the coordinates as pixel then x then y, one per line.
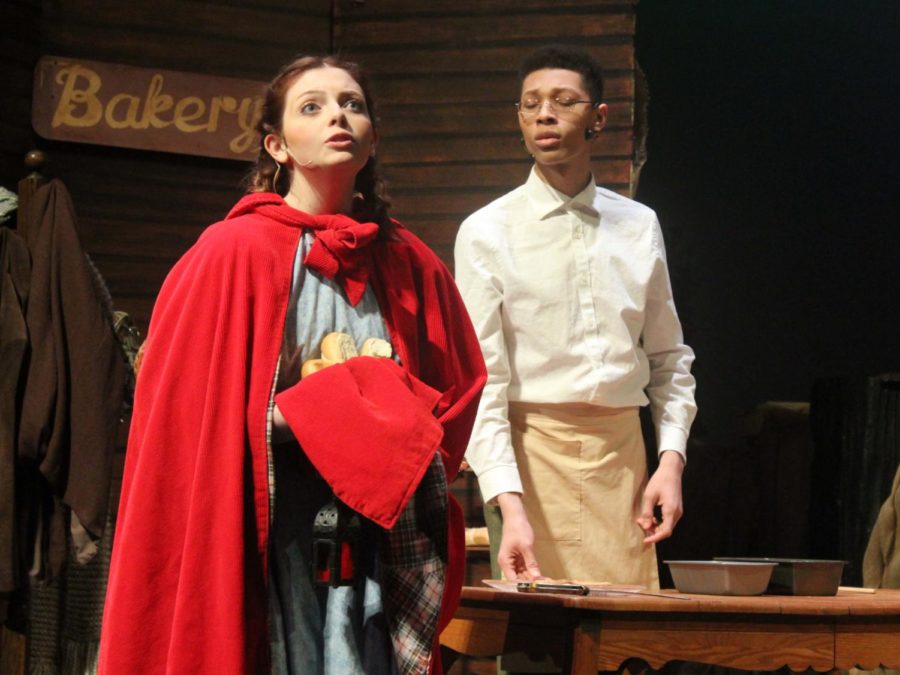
pixel 584 278
pixel 577 233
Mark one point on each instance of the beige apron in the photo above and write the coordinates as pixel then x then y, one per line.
pixel 583 471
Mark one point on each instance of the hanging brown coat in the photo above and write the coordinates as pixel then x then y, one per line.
pixel 74 386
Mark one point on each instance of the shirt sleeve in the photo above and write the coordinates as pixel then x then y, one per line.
pixel 671 387
pixel 490 452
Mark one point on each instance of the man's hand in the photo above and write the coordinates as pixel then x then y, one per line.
pixel 663 490
pixel 516 556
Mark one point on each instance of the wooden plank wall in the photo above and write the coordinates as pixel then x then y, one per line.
pixel 20 49
pixel 139 211
pixel 444 74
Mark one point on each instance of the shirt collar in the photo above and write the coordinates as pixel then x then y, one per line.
pixel 546 200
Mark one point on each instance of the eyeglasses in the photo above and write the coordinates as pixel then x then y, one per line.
pixel 529 108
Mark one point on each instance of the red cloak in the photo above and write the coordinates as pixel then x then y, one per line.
pixel 188 576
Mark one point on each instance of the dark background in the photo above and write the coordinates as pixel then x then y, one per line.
pixel 773 166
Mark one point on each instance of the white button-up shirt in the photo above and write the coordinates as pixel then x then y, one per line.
pixel 571 300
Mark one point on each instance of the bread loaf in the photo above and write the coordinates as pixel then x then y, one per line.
pixel 477 536
pixel 314 366
pixel 338 347
pixel 376 347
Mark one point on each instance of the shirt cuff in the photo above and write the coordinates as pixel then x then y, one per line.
pixel 673 438
pixel 498 480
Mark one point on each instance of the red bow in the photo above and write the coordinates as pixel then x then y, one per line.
pixel 339 251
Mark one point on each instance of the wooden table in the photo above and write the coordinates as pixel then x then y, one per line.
pixel 590 634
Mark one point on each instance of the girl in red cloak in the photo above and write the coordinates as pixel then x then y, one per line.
pixel 232 455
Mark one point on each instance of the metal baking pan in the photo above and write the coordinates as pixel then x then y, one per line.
pixel 801 576
pixel 721 577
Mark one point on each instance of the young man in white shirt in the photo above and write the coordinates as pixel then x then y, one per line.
pixel 568 288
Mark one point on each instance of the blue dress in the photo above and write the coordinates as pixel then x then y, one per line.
pixel 313 629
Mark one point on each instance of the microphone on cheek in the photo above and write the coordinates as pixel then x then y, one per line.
pixel 589 134
pixel 292 156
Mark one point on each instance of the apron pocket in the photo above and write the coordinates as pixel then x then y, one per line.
pixel 551 480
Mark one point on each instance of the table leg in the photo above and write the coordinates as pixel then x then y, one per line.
pixel 585 647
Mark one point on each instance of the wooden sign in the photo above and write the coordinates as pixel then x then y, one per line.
pixel 150 109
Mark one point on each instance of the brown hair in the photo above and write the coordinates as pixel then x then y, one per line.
pixel 373 203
